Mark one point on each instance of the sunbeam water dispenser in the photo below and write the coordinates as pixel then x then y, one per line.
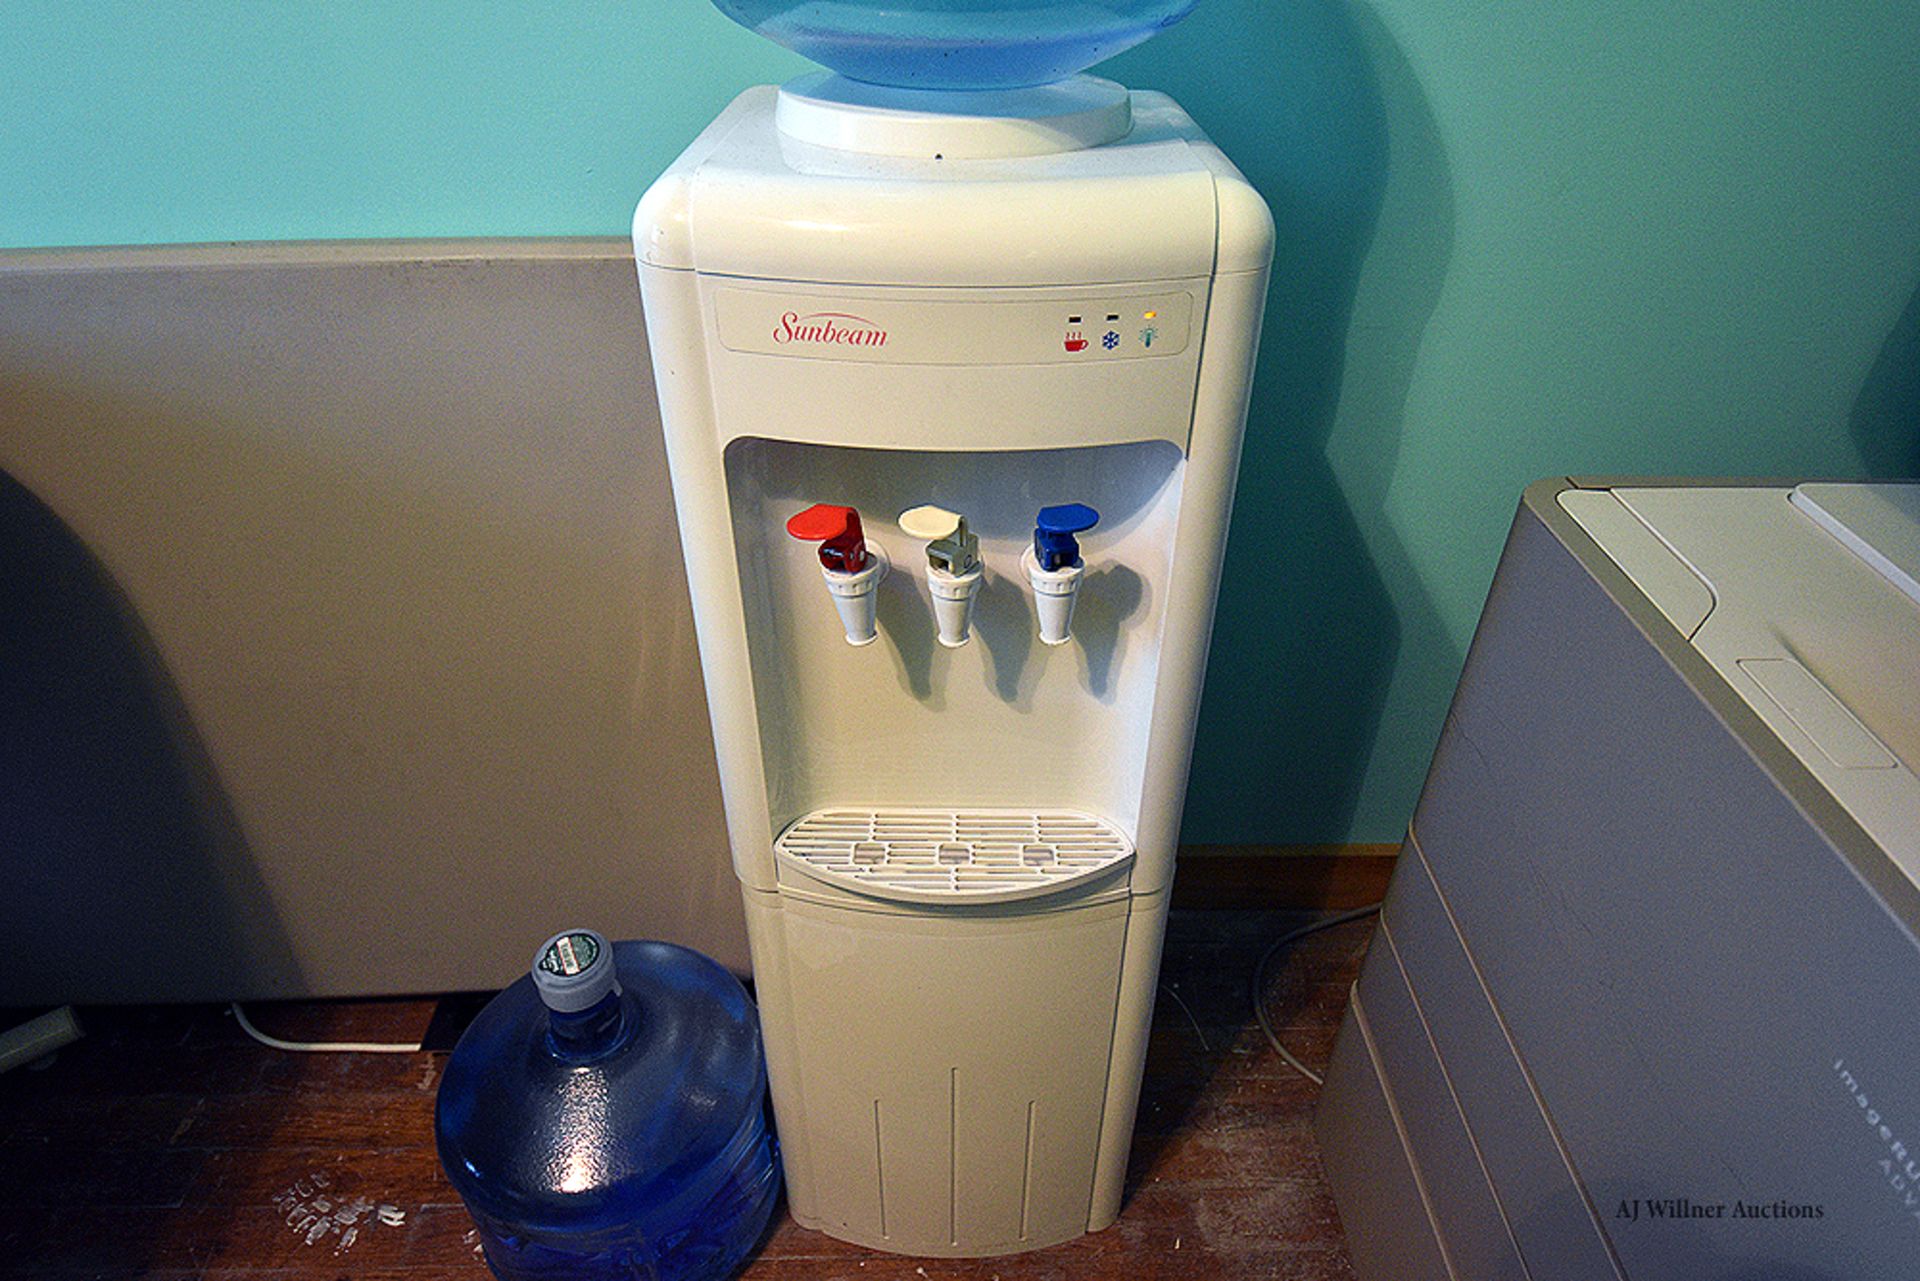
pixel 953 383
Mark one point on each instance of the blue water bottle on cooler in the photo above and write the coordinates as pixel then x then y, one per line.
pixel 605 1117
pixel 956 44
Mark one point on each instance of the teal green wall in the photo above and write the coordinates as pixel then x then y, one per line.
pixel 1521 238
pixel 157 121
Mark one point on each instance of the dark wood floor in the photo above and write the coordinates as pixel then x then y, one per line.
pixel 167 1145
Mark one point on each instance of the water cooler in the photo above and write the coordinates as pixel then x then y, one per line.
pixel 953 385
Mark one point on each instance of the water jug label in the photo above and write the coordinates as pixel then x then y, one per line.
pixel 570 954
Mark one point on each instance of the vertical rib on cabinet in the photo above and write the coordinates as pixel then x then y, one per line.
pixel 953 1156
pixel 880 1169
pixel 1026 1175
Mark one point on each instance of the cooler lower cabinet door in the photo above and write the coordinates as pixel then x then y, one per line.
pixel 952 1068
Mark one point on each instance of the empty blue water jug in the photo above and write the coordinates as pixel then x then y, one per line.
pixel 605 1117
pixel 956 44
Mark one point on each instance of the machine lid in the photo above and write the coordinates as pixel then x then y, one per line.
pixel 1879 523
pixel 1813 620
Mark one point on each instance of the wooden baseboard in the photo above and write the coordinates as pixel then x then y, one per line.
pixel 1296 877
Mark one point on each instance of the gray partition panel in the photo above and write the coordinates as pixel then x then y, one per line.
pixel 347 647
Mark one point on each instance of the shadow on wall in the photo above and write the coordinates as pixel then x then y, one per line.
pixel 1885 422
pixel 110 814
pixel 1317 105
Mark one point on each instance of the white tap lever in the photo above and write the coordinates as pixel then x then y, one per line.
pixel 953 567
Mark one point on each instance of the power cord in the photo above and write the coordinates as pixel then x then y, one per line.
pixel 1188 1011
pixel 1258 992
pixel 1259 984
pixel 322 1047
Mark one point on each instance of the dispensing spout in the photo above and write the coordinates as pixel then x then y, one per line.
pixel 843 548
pixel 1054 567
pixel 953 567
pixel 853 570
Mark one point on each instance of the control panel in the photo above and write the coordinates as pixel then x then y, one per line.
pixel 998 331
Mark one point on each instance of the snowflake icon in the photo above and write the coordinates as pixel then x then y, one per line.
pixel 1111 340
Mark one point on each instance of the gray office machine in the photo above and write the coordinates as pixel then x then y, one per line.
pixel 1645 998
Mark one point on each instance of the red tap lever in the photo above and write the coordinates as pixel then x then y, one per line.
pixel 843 548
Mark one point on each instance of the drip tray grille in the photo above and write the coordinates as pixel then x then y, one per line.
pixel 943 856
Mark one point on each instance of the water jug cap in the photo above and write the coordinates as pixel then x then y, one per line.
pixel 573 971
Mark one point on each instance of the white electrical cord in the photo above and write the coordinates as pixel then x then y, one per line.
pixel 1259 986
pixel 322 1047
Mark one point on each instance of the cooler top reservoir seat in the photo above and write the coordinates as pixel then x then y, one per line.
pixel 914 195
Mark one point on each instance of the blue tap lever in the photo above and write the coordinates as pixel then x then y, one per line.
pixel 1054 546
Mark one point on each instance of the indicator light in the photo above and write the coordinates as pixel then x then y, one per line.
pixel 1149 315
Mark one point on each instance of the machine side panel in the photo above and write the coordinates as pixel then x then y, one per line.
pixel 1390 1233
pixel 1465 1210
pixel 1132 1025
pixel 676 338
pixel 1232 340
pixel 1526 1163
pixel 1715 1007
pixel 780 1035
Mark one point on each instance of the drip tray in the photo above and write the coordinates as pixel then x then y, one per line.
pixel 944 856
